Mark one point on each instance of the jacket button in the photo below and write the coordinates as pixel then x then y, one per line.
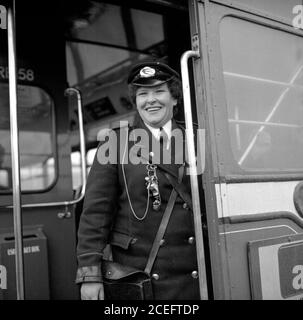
pixel 162 242
pixel 134 240
pixel 195 274
pixel 191 240
pixel 185 206
pixel 155 276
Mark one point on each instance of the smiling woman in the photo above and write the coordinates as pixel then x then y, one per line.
pixel 133 199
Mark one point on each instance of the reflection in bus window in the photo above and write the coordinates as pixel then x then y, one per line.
pixel 101 46
pixel 4 176
pixel 263 73
pixel 97 47
pixel 90 158
pixel 76 169
pixel 76 166
pixel 36 130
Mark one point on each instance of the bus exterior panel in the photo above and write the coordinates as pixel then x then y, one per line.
pixel 252 65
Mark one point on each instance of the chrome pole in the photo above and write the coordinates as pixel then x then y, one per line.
pixel 82 142
pixel 193 172
pixel 12 62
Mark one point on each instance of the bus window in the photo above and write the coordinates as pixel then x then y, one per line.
pixel 90 158
pixel 100 48
pixel 76 169
pixel 263 75
pixel 96 46
pixel 36 138
pixel 76 166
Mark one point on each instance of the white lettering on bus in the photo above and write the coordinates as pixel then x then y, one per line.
pixel 3 277
pixel 32 249
pixel 297 281
pixel 297 21
pixel 3 24
pixel 23 74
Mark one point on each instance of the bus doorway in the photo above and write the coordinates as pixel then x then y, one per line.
pixel 103 41
pixel 101 48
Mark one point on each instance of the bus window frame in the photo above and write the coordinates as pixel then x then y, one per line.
pixel 254 11
pixel 225 167
pixel 53 142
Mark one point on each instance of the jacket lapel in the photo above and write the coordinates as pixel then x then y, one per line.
pixel 176 152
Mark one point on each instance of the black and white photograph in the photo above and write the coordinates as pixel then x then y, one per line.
pixel 151 153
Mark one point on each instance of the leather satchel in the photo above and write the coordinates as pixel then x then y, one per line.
pixel 128 283
pixel 125 283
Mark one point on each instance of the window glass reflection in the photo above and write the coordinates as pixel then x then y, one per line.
pixel 35 120
pixel 263 74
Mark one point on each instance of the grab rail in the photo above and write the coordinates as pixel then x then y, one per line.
pixel 17 211
pixel 193 171
pixel 83 164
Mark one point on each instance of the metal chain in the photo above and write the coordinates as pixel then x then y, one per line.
pixel 126 188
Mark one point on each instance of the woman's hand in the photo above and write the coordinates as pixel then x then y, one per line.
pixel 92 291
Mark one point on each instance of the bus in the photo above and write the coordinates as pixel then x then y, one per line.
pixel 63 71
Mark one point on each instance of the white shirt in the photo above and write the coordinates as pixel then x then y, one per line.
pixel 156 131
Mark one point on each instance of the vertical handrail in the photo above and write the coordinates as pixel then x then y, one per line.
pixel 193 172
pixel 82 142
pixel 12 64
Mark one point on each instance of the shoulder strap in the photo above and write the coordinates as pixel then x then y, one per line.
pixel 180 189
pixel 163 225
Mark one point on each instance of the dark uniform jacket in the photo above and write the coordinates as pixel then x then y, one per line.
pixel 107 218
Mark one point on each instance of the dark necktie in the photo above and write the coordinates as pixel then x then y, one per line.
pixel 163 138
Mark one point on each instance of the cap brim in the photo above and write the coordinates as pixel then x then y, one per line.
pixel 150 82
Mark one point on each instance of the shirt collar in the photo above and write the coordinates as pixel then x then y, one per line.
pixel 156 131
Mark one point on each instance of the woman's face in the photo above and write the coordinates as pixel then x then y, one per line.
pixel 155 104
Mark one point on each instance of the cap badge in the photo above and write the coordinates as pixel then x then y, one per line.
pixel 147 72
